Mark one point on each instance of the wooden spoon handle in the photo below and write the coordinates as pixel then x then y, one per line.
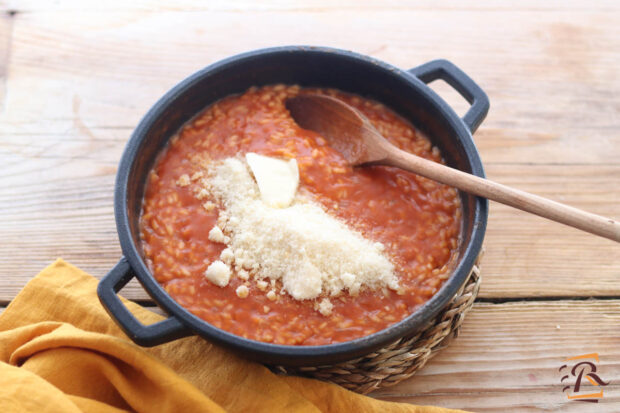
pixel 595 224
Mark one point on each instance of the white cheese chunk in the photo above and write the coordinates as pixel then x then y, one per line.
pixel 348 279
pixel 242 291
pixel 216 235
pixel 277 179
pixel 305 283
pixel 218 273
pixel 325 307
pixel 227 255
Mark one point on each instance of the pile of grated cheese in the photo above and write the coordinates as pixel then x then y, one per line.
pixel 310 252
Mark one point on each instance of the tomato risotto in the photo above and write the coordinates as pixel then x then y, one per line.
pixel 261 229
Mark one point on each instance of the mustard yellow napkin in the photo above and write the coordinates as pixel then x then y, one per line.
pixel 61 352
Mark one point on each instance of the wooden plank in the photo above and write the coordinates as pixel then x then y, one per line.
pixel 157 310
pixel 529 256
pixel 60 203
pixel 550 69
pixel 507 359
pixel 551 77
pixel 308 5
pixel 58 170
pixel 6 29
pixel 508 355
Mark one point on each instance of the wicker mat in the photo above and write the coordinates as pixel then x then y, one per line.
pixel 401 359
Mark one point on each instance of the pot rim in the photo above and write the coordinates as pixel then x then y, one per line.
pixel 393 332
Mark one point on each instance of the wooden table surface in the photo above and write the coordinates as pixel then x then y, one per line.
pixel 76 77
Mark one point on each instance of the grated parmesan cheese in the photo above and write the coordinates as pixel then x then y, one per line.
pixel 325 307
pixel 202 194
pixel 242 291
pixel 218 273
pixel 197 175
pixel 208 206
pixel 244 275
pixel 271 295
pixel 310 252
pixel 183 180
pixel 216 235
pixel 227 255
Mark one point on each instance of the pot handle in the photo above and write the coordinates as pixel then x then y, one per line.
pixel 455 77
pixel 143 335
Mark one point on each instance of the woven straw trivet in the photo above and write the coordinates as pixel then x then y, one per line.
pixel 401 359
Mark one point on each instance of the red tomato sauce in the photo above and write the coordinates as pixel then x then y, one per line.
pixel 417 220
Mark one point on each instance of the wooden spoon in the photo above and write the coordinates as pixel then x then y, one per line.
pixel 351 133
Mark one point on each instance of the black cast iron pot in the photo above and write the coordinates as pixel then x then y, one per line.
pixel 405 92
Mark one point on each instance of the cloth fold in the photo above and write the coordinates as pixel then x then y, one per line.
pixel 61 352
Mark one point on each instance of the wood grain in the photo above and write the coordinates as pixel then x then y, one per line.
pixel 507 358
pixel 353 135
pixel 6 29
pixel 63 206
pixel 551 77
pixel 384 153
pixel 76 77
pixel 59 159
pixel 527 256
pixel 308 5
pixel 508 355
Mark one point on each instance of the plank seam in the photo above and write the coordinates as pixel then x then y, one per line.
pixel 10 16
pixel 502 300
